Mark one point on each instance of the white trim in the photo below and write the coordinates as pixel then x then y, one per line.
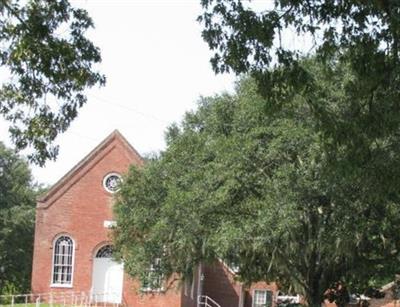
pixel 186 286
pixel 109 224
pixel 150 290
pixel 232 270
pixel 241 296
pixel 192 288
pixel 151 269
pixel 105 179
pixel 291 298
pixel 61 286
pixel 55 285
pixel 199 281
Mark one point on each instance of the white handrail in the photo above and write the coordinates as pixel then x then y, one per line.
pixel 61 299
pixel 204 300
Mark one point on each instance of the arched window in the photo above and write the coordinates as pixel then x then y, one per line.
pixel 105 252
pixel 63 260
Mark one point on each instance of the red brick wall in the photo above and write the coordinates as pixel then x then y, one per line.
pixel 78 206
pixel 219 284
pixel 132 296
pixel 249 292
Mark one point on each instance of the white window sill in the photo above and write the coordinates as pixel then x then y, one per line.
pixel 60 286
pixel 150 290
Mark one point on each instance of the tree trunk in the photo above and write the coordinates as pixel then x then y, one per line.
pixel 314 298
pixel 314 292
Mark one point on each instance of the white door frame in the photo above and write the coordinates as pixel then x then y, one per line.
pixel 107 279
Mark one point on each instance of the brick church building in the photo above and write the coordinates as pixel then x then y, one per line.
pixel 73 251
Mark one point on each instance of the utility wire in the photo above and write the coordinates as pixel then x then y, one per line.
pixel 136 111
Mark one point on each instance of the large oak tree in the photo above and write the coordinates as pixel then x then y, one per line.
pixel 252 183
pixel 364 35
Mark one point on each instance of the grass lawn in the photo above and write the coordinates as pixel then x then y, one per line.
pixel 48 305
pixel 54 305
pixel 32 305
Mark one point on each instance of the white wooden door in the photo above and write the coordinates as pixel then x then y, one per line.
pixel 107 280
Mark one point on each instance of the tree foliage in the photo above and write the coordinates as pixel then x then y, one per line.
pixel 254 184
pixel 17 219
pixel 245 39
pixel 362 34
pixel 49 63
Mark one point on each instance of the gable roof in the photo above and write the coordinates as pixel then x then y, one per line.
pixel 63 182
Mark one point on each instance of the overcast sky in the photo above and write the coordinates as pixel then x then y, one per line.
pixel 156 66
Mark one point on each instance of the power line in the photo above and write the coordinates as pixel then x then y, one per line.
pixel 138 112
pixel 83 136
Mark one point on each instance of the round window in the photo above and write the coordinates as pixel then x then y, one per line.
pixel 111 182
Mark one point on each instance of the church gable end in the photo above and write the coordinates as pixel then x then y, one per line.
pixel 114 147
pixel 78 209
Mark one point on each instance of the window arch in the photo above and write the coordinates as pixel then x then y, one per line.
pixel 105 251
pixel 63 261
